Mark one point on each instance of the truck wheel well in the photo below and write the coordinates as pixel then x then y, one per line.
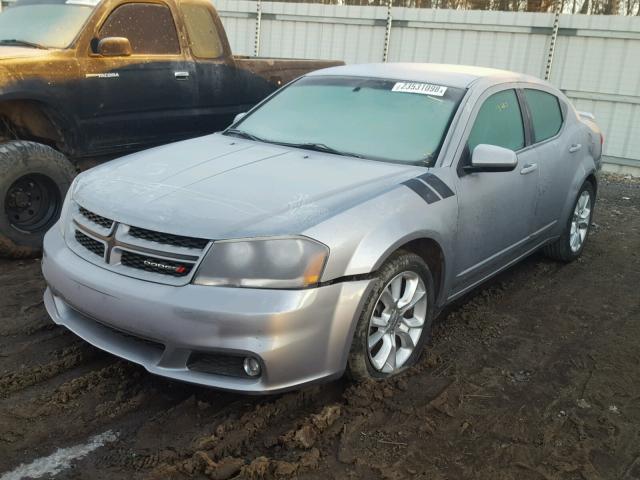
pixel 431 252
pixel 30 120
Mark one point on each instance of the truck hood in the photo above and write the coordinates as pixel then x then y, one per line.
pixel 8 52
pixel 220 187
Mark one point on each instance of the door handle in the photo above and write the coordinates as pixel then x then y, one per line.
pixel 181 75
pixel 574 148
pixel 528 168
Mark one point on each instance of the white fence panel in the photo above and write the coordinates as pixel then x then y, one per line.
pixel 597 64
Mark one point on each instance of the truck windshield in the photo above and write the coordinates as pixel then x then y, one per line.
pixel 366 117
pixel 44 23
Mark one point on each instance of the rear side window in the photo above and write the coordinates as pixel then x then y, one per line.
pixel 546 114
pixel 148 26
pixel 499 122
pixel 203 34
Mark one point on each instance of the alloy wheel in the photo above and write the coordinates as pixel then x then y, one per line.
pixel 580 222
pixel 397 322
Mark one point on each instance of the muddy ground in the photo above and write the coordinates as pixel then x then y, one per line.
pixel 535 376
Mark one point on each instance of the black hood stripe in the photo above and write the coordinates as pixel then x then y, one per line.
pixel 437 184
pixel 423 190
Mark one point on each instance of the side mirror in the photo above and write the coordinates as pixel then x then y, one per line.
pixel 114 47
pixel 490 158
pixel 239 117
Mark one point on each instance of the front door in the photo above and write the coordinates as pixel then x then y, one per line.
pixel 496 209
pixel 142 99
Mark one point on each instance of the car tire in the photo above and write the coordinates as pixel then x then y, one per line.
pixel 34 180
pixel 364 362
pixel 565 249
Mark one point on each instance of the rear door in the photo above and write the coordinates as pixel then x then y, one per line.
pixel 143 99
pixel 496 209
pixel 220 88
pixel 558 156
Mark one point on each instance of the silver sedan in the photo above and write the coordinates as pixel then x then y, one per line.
pixel 326 228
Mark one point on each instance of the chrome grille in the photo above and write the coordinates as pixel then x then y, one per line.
pixel 97 219
pixel 90 244
pixel 168 238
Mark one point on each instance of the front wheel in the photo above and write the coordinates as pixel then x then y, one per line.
pixel 396 320
pixel 574 237
pixel 34 180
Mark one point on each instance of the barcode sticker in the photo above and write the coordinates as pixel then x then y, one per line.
pixel 86 3
pixel 421 88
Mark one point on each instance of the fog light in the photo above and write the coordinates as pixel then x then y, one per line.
pixel 251 367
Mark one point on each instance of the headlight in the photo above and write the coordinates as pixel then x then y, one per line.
pixel 66 206
pixel 263 263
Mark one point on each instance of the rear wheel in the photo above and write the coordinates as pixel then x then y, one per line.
pixel 396 320
pixel 574 237
pixel 34 180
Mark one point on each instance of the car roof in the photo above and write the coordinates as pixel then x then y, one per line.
pixel 460 76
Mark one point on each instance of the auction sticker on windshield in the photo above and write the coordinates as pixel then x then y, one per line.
pixel 421 88
pixel 86 3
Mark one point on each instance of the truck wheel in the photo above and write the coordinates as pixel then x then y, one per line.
pixel 574 237
pixel 395 321
pixel 34 180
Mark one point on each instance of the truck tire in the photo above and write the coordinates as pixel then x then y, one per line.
pixel 34 180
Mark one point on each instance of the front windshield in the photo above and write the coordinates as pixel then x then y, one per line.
pixel 44 23
pixel 372 118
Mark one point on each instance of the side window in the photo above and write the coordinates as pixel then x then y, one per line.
pixel 203 34
pixel 148 26
pixel 545 113
pixel 499 122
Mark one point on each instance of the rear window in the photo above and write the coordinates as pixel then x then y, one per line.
pixel 203 34
pixel 546 114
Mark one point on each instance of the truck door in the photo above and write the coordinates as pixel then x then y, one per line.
pixel 221 86
pixel 138 100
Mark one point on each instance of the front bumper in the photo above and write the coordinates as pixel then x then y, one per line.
pixel 298 336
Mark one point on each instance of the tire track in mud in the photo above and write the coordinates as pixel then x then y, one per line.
pixel 62 360
pixel 107 394
pixel 222 428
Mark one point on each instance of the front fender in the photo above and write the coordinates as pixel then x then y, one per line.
pixel 363 237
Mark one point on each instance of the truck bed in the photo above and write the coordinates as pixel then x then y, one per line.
pixel 281 70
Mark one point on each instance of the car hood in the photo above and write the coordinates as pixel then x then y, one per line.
pixel 8 52
pixel 219 187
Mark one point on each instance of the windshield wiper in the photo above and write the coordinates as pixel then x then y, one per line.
pixel 319 147
pixel 24 43
pixel 243 134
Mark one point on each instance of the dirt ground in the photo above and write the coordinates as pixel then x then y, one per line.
pixel 534 376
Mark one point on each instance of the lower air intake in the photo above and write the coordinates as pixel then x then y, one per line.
pixel 217 364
